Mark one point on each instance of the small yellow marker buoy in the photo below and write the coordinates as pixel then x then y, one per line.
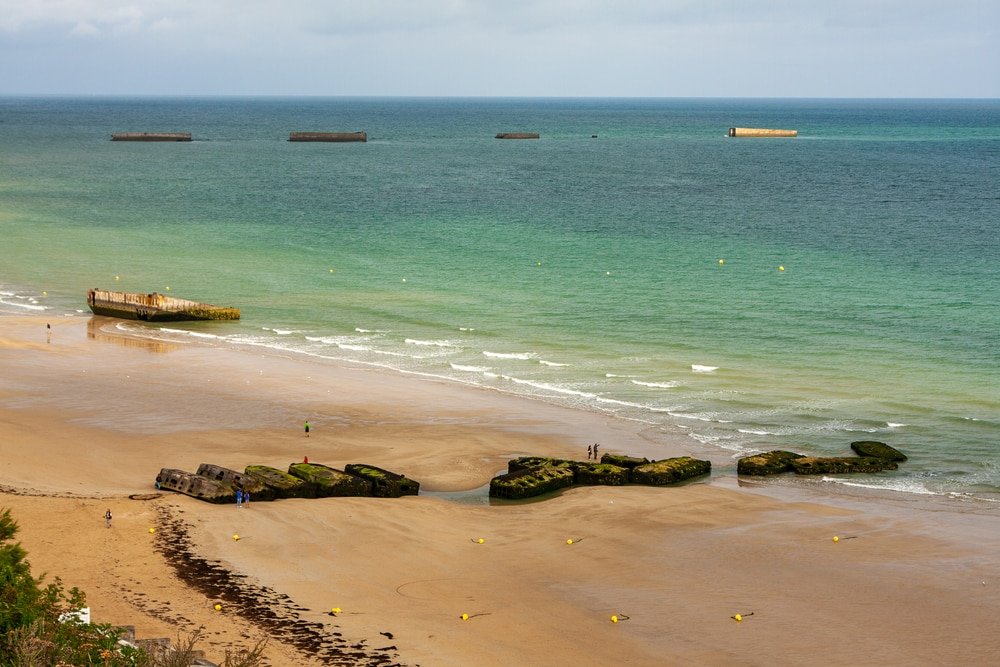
pixel 335 611
pixel 45 293
pixel 465 617
pixel 331 270
pixel 152 530
pixel 480 540
pixel 236 537
pixel 168 288
pixel 738 618
pixel 781 268
pixel 614 619
pixel 836 538
pixel 607 273
pixel 118 277
pixel 570 541
pixel 218 607
pixel 722 261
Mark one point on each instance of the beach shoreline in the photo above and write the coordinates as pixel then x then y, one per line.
pixel 88 419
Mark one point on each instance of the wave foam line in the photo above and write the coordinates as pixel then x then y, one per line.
pixel 470 369
pixel 698 368
pixel 509 355
pixel 429 343
pixel 890 485
pixel 657 385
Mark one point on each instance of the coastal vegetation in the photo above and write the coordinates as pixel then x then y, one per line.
pixel 40 625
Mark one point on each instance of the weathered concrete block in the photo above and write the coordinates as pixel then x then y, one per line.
pixel 252 484
pixel 327 482
pixel 879 450
pixel 623 461
pixel 600 474
pixel 811 465
pixel 669 471
pixel 196 486
pixel 281 484
pixel 384 483
pixel 531 482
pixel 769 463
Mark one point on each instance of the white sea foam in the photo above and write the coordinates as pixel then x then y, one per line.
pixel 901 485
pixel 353 347
pixel 470 369
pixel 657 385
pixel 551 363
pixel 614 375
pixel 429 343
pixel 509 355
pixel 549 387
pixel 895 425
pixel 378 331
pixel 753 432
pixel 698 368
pixel 466 329
pixel 282 332
pixel 193 334
pixel 19 302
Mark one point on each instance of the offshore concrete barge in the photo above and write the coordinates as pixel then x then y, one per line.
pixel 155 307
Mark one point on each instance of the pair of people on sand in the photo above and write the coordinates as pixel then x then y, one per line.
pixel 242 498
pixel 592 451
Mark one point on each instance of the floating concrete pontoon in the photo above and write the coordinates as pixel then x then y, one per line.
pixel 155 307
pixel 518 135
pixel 760 132
pixel 328 136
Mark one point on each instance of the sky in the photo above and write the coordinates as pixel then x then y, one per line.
pixel 532 48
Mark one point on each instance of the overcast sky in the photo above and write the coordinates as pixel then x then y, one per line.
pixel 600 48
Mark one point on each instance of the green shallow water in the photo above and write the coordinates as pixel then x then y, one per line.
pixel 573 269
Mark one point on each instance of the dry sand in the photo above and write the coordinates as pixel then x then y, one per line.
pixel 88 419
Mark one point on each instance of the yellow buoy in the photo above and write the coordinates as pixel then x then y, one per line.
pixel 465 617
pixel 168 288
pixel 836 539
pixel 722 261
pixel 781 268
pixel 218 607
pixel 335 611
pixel 614 619
pixel 152 530
pixel 236 537
pixel 569 541
pixel 738 617
pixel 480 540
pixel 45 293
pixel 118 277
pixel 331 270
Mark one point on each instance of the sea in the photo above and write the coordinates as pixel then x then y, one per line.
pixel 734 295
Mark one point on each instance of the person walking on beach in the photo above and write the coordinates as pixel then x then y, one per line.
pixel 107 518
pixel 307 429
pixel 246 498
pixel 588 452
pixel 239 499
pixel 596 445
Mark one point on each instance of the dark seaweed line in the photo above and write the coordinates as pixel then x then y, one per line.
pixel 274 613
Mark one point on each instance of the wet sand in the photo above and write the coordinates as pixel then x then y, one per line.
pixel 87 419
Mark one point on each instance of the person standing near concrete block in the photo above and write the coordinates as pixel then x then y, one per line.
pixel 107 518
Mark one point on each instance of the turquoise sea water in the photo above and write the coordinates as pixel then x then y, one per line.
pixel 577 269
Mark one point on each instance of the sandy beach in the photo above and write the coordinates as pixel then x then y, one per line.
pixel 88 418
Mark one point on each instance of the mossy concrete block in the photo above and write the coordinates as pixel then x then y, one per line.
pixel 769 463
pixel 600 474
pixel 327 482
pixel 281 484
pixel 528 462
pixel 879 450
pixel 252 484
pixel 531 482
pixel 623 461
pixel 669 471
pixel 384 483
pixel 196 486
pixel 811 465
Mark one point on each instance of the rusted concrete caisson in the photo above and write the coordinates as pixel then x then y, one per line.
pixel 155 307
